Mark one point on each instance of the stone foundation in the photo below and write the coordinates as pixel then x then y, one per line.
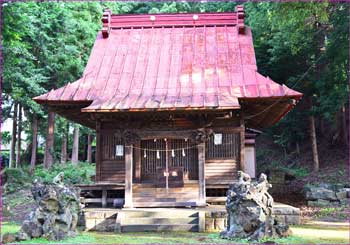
pixel 107 220
pixel 326 195
pixel 216 220
pixel 100 220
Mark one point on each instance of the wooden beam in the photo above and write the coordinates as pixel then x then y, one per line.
pixel 228 129
pixel 128 176
pixel 151 134
pixel 201 174
pixel 98 152
pixel 242 145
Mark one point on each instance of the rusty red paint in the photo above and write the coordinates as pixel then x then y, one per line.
pixel 173 62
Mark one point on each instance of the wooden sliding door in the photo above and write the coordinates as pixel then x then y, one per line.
pixel 168 156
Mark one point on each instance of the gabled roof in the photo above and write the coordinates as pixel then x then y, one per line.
pixel 168 62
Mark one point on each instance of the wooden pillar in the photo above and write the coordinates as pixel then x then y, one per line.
pixel 98 151
pixel 137 161
pixel 104 197
pixel 201 174
pixel 242 145
pixel 128 176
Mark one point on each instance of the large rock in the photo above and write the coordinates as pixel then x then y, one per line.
pixel 343 193
pixel 56 214
pixel 321 203
pixel 249 207
pixel 320 192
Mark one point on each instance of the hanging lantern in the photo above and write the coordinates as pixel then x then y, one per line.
pixel 158 154
pixel 183 152
pixel 172 153
pixel 144 154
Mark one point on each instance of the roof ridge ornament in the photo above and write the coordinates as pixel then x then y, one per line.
pixel 106 21
pixel 240 19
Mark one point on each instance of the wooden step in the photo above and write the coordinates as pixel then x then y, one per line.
pixel 160 227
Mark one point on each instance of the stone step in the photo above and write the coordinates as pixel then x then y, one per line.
pixel 164 199
pixel 160 227
pixel 171 195
pixel 169 214
pixel 160 221
pixel 164 204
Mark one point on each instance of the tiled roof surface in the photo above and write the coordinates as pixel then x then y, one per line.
pixel 172 62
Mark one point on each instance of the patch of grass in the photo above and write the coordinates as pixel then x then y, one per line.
pixel 301 235
pixel 299 172
pixel 336 212
pixel 9 227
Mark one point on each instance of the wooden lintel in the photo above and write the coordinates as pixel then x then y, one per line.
pixel 228 129
pixel 168 133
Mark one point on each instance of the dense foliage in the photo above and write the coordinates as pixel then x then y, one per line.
pixel 303 45
pixel 14 179
pixel 81 174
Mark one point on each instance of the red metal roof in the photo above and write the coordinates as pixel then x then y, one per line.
pixel 166 62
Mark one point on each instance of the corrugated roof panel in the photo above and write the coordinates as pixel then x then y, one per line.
pixel 180 66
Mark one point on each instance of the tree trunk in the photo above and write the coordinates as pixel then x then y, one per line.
pixel 19 134
pixel 85 146
pixel 75 150
pixel 64 146
pixel 297 147
pixel 64 149
pixel 89 149
pixel 13 137
pixel 322 127
pixel 34 143
pixel 49 149
pixel 316 164
pixel 344 133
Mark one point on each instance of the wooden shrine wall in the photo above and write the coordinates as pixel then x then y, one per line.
pixel 222 160
pixel 112 167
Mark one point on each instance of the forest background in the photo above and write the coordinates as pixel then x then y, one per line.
pixel 303 45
